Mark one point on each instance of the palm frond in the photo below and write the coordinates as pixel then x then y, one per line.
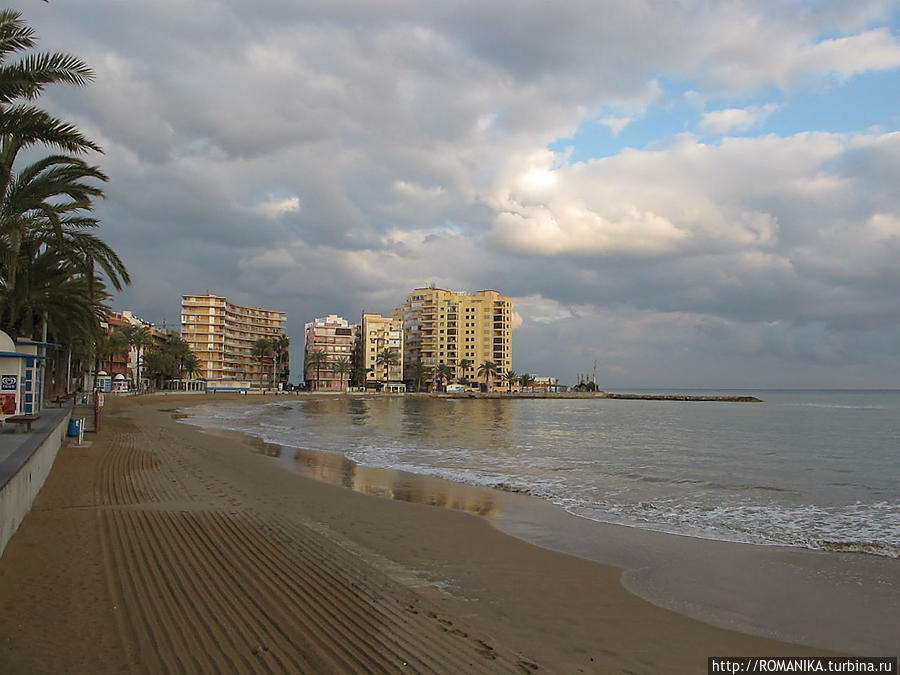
pixel 15 34
pixel 32 125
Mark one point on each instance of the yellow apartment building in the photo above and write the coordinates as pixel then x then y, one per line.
pixel 222 334
pixel 374 334
pixel 443 326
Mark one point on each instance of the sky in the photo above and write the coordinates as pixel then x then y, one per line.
pixel 683 194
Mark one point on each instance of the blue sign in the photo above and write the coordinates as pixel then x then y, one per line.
pixel 9 382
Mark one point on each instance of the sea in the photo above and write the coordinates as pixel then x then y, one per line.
pixel 809 469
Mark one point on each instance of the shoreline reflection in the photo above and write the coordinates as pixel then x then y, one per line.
pixel 389 483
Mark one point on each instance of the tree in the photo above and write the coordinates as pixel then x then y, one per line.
pixel 418 371
pixel 341 367
pixel 440 373
pixel 108 346
pixel 23 81
pixel 53 290
pixel 487 370
pixel 511 378
pixel 44 239
pixel 49 261
pixel 387 358
pixel 464 365
pixel 158 366
pixel 137 337
pixel 526 380
pixel 281 345
pixel 316 360
pixel 43 206
pixel 262 349
pixel 171 361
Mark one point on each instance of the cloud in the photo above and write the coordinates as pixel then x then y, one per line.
pixel 791 229
pixel 780 45
pixel 275 206
pixel 615 124
pixel 738 119
pixel 327 157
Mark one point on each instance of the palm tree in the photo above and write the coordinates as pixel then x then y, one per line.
pixel 186 362
pixel 49 287
pixel 281 346
pixel 464 365
pixel 417 373
pixel 262 350
pixel 23 81
pixel 137 337
pixel 341 367
pixel 511 378
pixel 171 360
pixel 317 361
pixel 190 365
pixel 106 346
pixel 43 232
pixel 53 289
pixel 487 370
pixel 114 345
pixel 440 373
pixel 526 380
pixel 159 366
pixel 387 358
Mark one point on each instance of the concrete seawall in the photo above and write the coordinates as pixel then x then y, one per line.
pixel 25 463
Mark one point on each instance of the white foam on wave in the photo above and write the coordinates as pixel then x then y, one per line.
pixel 864 528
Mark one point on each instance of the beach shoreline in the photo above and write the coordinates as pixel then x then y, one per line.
pixel 843 601
pixel 154 505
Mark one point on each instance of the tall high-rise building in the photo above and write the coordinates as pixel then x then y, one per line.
pixel 442 326
pixel 331 336
pixel 374 335
pixel 222 335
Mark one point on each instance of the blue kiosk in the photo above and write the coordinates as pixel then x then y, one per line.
pixel 21 376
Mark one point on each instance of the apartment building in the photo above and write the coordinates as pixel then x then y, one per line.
pixel 222 334
pixel 450 327
pixel 331 336
pixel 374 334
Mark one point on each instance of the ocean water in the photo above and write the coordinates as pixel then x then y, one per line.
pixel 813 469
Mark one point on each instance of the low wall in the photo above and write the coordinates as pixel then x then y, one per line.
pixel 24 469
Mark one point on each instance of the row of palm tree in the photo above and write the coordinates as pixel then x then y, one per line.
pixel 54 270
pixel 487 370
pixel 277 349
pixel 418 373
pixel 444 372
pixel 173 359
pixel 318 360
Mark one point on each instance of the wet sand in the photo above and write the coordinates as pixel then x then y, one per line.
pixel 843 601
pixel 159 548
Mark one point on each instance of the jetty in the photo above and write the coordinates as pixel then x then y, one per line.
pixel 589 394
pixel 681 397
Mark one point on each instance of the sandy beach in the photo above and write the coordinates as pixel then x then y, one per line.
pixel 160 548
